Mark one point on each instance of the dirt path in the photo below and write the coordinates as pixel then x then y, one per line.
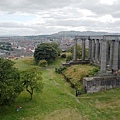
pixel 56 83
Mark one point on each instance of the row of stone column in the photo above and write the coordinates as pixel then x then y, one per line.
pixel 93 50
pixel 101 51
pixel 75 49
pixel 110 55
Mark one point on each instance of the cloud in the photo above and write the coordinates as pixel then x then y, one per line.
pixel 32 17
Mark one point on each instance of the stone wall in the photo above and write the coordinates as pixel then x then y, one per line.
pixel 96 84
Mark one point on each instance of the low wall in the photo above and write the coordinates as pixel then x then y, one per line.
pixel 76 62
pixel 96 84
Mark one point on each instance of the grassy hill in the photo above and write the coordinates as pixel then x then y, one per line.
pixel 58 100
pixel 76 73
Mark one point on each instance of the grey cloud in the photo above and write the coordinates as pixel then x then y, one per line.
pixel 11 24
pixel 19 25
pixel 77 23
pixel 33 5
pixel 56 15
pixel 100 9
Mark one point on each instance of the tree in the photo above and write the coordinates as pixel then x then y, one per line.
pixel 69 58
pixel 56 46
pixel 46 52
pixel 79 51
pixel 10 84
pixel 32 81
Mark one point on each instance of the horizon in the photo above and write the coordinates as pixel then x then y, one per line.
pixel 107 33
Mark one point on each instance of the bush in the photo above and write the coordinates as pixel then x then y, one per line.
pixel 69 58
pixel 42 63
pixel 60 69
pixel 63 56
pixel 94 71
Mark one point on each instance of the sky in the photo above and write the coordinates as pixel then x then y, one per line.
pixel 39 17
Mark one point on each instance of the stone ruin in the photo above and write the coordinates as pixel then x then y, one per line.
pixel 104 51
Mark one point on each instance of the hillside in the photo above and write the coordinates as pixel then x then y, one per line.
pixel 72 34
pixel 60 35
pixel 58 101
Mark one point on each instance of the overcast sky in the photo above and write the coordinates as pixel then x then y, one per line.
pixel 37 17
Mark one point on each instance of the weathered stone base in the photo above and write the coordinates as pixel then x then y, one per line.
pixel 76 62
pixel 96 84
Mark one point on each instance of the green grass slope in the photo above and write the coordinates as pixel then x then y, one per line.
pixel 58 102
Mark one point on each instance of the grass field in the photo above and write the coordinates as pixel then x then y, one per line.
pixel 58 101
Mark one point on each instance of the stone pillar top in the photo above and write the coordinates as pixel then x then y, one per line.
pixel 82 37
pixel 96 37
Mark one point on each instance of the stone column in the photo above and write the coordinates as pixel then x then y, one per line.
pixel 107 52
pixel 100 48
pixel 93 50
pixel 103 56
pixel 90 49
pixel 115 55
pixel 83 49
pixel 75 50
pixel 97 51
pixel 119 56
pixel 111 53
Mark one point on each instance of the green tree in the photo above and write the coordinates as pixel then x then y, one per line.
pixel 10 85
pixel 56 46
pixel 46 52
pixel 69 58
pixel 32 81
pixel 79 51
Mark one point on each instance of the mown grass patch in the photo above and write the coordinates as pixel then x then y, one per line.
pixel 54 97
pixel 57 62
pixel 24 63
pixel 103 105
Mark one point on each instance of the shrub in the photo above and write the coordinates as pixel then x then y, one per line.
pixel 63 56
pixel 60 69
pixel 69 58
pixel 42 63
pixel 94 71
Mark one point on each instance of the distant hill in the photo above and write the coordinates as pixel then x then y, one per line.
pixel 83 33
pixel 62 34
pixel 74 33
